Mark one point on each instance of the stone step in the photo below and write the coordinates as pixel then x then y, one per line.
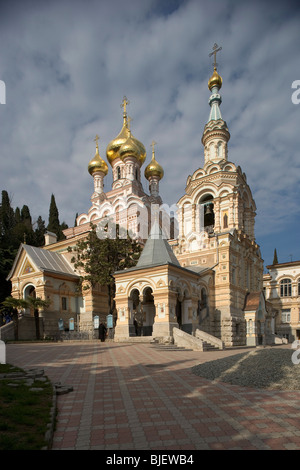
pixel 169 346
pixel 209 347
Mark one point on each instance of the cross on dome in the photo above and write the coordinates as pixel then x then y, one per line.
pixel 96 140
pixel 124 103
pixel 216 49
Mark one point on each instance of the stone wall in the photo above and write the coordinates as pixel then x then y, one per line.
pixel 26 329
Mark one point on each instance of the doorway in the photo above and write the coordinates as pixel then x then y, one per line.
pixel 178 313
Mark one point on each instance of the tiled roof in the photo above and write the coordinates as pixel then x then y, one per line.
pixel 157 250
pixel 44 260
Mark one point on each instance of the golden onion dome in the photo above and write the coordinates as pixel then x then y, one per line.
pixel 97 163
pixel 122 144
pixel 215 80
pixel 154 168
pixel 129 148
pixel 112 150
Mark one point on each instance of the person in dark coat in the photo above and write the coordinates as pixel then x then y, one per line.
pixel 102 332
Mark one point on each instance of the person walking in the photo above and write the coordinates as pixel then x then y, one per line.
pixel 102 332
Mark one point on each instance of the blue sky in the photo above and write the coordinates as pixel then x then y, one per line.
pixel 67 65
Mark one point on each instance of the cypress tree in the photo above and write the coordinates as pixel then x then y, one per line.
pixel 7 218
pixel 26 217
pixel 17 215
pixel 40 232
pixel 54 225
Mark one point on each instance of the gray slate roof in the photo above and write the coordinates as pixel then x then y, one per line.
pixel 44 260
pixel 157 250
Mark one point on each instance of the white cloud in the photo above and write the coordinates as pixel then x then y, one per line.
pixel 67 65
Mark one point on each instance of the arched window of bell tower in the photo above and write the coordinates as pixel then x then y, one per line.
pixel 212 151
pixel 220 150
pixel 208 205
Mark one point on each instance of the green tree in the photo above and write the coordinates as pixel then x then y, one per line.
pixel 40 232
pixel 53 223
pixel 102 257
pixel 7 219
pixel 17 215
pixel 7 255
pixel 23 230
pixel 25 216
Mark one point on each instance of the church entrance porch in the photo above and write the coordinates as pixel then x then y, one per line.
pixel 143 311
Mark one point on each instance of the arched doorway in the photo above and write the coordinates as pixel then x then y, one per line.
pixel 143 311
pixel 29 291
pixel 148 308
pixel 178 312
pixel 135 309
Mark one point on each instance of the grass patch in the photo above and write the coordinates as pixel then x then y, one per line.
pixel 24 414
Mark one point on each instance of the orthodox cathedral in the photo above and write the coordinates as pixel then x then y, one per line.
pixel 200 269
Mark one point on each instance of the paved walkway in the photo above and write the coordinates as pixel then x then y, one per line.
pixel 141 397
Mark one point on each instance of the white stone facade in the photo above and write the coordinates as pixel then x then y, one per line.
pixel 282 290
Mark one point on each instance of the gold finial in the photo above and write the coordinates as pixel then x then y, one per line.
pixel 124 103
pixel 216 49
pixel 152 145
pixel 96 140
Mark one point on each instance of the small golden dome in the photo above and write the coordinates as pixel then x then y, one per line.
pixel 122 144
pixel 215 80
pixel 154 168
pixel 97 163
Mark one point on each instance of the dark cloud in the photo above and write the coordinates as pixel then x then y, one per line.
pixel 67 65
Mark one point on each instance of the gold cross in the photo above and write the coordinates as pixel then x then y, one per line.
pixel 124 103
pixel 96 140
pixel 216 49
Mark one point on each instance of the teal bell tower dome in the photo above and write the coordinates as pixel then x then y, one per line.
pixel 215 135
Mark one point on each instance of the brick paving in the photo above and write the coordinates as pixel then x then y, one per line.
pixel 139 396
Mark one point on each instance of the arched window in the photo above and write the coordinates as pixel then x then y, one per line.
pixel 203 298
pixel 118 172
pixel 285 288
pixel 209 216
pixel 220 149
pixel 225 220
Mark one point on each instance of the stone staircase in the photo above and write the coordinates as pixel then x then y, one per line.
pixel 167 346
pixel 184 341
pixel 202 341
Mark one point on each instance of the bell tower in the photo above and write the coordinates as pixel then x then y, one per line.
pixel 216 219
pixel 216 135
